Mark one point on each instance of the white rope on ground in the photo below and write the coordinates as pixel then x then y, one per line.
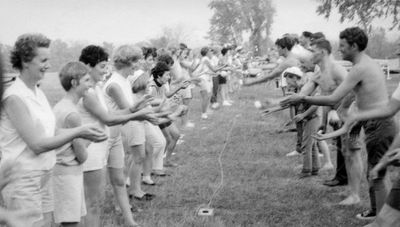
pixel 220 162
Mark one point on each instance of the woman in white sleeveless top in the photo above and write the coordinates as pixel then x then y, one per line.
pixel 93 109
pixel 119 97
pixel 28 135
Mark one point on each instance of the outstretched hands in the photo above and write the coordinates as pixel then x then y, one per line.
pixel 349 121
pixel 292 100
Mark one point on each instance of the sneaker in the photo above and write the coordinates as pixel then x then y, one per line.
pixel 327 166
pixel 204 116
pixel 293 153
pixel 367 215
pixel 179 142
pixel 215 105
pixel 226 103
pixel 189 125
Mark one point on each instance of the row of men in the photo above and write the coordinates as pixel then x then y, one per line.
pixel 361 95
pixel 54 160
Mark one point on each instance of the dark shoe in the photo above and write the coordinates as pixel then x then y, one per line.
pixel 145 197
pixel 304 175
pixel 367 215
pixel 149 184
pixel 135 209
pixel 159 173
pixel 334 183
pixel 314 172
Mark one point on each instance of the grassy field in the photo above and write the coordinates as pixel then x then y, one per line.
pixel 260 184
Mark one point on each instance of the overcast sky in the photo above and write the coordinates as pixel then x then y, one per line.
pixel 131 21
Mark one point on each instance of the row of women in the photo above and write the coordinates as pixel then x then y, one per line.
pixel 54 160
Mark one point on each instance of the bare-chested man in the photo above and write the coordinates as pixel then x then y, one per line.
pixel 284 46
pixel 367 81
pixel 327 77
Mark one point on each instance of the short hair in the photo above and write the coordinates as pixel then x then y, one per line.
pixel 224 50
pixel 140 83
pixel 93 55
pixel 125 55
pixel 72 70
pixel 285 42
pixel 307 34
pixel 182 46
pixel 149 52
pixel 159 69
pixel 167 59
pixel 204 51
pixel 355 35
pixel 317 35
pixel 25 48
pixel 322 44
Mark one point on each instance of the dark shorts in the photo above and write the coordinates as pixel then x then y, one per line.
pixel 221 79
pixel 379 135
pixel 165 125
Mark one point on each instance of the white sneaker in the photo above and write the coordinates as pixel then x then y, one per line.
pixel 204 116
pixel 215 105
pixel 180 141
pixel 293 153
pixel 189 125
pixel 226 103
pixel 327 166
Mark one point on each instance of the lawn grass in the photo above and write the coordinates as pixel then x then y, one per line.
pixel 260 184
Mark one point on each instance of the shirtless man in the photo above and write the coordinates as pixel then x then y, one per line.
pixel 367 81
pixel 327 77
pixel 284 46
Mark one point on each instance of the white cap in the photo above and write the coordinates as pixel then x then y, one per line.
pixel 294 70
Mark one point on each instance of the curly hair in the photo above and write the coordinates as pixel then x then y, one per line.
pixel 355 35
pixel 125 55
pixel 93 55
pixel 149 52
pixel 204 51
pixel 25 48
pixel 72 71
pixel 285 42
pixel 167 59
pixel 159 70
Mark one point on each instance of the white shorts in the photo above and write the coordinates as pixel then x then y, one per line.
pixel 133 133
pixel 32 190
pixel 116 155
pixel 97 156
pixel 69 199
pixel 205 84
pixel 186 93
